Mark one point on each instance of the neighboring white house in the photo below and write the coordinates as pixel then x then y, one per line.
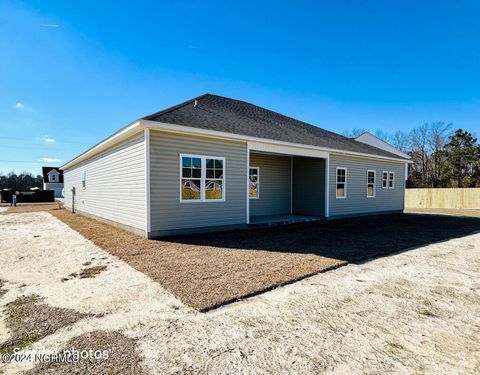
pixel 53 180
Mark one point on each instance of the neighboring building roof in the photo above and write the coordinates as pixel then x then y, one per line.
pixel 46 176
pixel 218 113
pixel 373 140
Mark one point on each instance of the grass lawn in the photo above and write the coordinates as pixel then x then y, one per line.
pixel 208 270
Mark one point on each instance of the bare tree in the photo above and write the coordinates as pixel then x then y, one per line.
pixel 401 141
pixel 419 140
pixel 437 138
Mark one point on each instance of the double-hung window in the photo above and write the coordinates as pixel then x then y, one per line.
pixel 370 184
pixel 254 183
pixel 341 188
pixel 391 180
pixel 384 180
pixel 388 180
pixel 202 178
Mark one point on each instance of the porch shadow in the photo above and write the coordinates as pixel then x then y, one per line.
pixel 353 240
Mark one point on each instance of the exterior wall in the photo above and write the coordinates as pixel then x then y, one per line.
pixel 115 185
pixel 55 186
pixel 275 184
pixel 386 200
pixel 308 186
pixel 169 215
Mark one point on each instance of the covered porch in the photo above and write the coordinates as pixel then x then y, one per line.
pixel 286 186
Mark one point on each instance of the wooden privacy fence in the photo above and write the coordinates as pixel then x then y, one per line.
pixel 455 198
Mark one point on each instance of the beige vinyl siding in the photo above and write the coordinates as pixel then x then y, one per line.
pixel 356 201
pixel 115 184
pixel 275 184
pixel 308 186
pixel 168 214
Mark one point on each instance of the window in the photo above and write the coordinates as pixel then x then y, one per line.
pixel 84 179
pixel 254 183
pixel 53 177
pixel 391 180
pixel 202 178
pixel 370 184
pixel 341 182
pixel 384 180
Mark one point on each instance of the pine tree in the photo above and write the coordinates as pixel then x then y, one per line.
pixel 462 159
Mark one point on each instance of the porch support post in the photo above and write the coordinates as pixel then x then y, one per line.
pixel 327 186
pixel 291 185
pixel 248 183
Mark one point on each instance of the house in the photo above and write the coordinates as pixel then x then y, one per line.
pixel 53 180
pixel 214 163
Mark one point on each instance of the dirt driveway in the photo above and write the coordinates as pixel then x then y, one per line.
pixel 417 311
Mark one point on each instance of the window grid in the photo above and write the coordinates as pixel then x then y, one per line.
pixel 202 178
pixel 254 183
pixel 371 184
pixel 341 183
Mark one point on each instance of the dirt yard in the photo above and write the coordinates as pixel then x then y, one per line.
pixel 413 312
pixel 206 271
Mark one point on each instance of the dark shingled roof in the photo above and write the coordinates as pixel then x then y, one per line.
pixel 237 117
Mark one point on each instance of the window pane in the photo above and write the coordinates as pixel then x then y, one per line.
pixel 370 190
pixel 213 189
pixel 253 171
pixel 190 189
pixel 210 163
pixel 218 164
pixel 210 173
pixel 196 163
pixel 186 172
pixel 218 173
pixel 196 173
pixel 253 189
pixel 340 190
pixel 186 162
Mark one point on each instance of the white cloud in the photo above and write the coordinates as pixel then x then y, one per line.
pixel 51 160
pixel 49 140
pixel 23 107
pixel 50 25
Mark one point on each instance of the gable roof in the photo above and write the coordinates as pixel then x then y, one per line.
pixel 218 113
pixel 47 170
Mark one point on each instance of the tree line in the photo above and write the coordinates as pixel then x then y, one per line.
pixel 22 181
pixel 441 157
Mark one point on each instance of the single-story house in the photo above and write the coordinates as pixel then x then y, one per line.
pixel 214 163
pixel 53 180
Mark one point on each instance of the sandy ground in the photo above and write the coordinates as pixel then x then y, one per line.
pixel 415 312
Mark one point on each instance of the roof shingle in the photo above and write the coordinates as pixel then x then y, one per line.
pixel 234 116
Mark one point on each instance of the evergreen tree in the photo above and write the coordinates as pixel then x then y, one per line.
pixel 461 160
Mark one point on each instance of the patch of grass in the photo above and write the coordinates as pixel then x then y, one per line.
pixel 428 309
pixel 123 356
pixel 395 345
pixel 91 272
pixel 30 319
pixel 2 290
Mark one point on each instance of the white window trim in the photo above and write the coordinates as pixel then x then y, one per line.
pixel 374 183
pixel 336 183
pixel 388 176
pixel 393 180
pixel 203 178
pixel 258 183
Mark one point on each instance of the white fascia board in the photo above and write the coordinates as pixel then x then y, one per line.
pixel 114 139
pixel 230 136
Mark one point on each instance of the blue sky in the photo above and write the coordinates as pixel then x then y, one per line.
pixel 72 73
